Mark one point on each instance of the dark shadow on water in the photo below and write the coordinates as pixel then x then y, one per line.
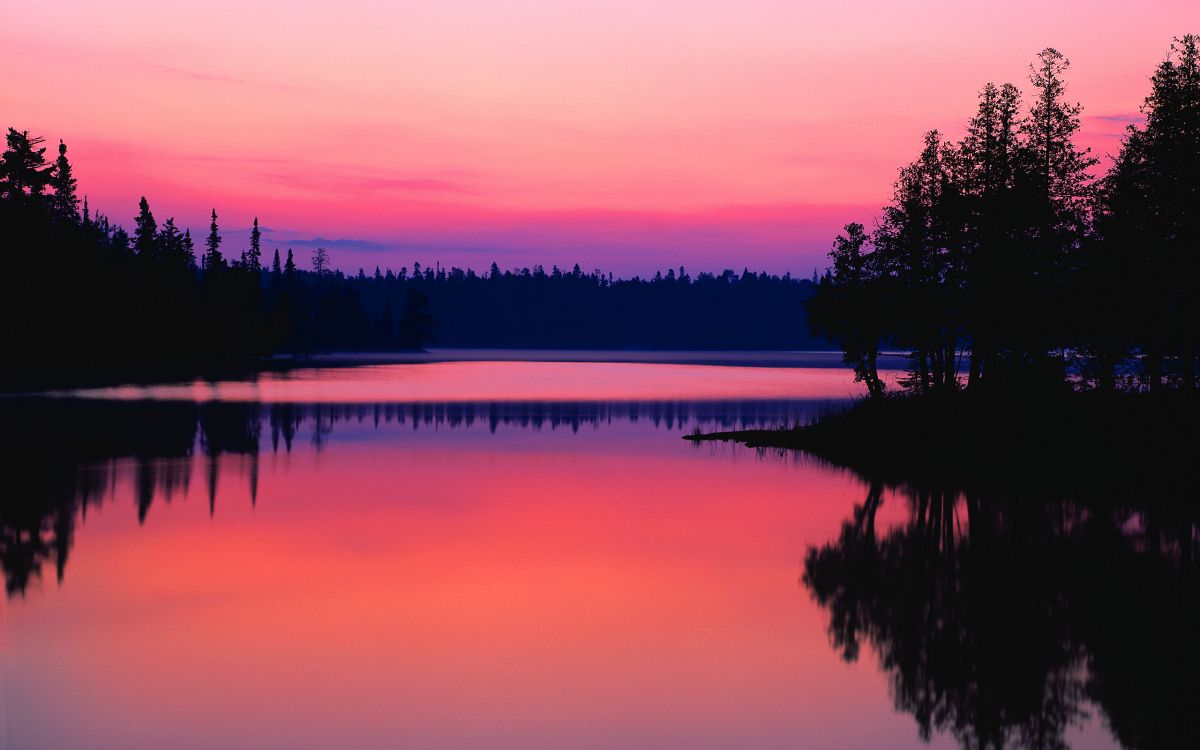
pixel 1002 618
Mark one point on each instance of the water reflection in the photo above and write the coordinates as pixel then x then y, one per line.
pixel 1000 616
pixel 62 456
pixel 437 580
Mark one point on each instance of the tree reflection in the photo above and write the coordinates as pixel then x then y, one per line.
pixel 999 617
pixel 60 456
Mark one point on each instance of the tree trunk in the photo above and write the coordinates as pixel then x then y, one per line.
pixel 874 384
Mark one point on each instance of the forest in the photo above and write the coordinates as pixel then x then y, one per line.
pixel 1004 263
pixel 87 299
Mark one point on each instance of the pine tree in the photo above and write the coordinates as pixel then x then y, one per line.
pixel 213 260
pixel 63 200
pixel 1057 171
pixel 989 162
pixel 189 250
pixel 1055 194
pixel 289 267
pixel 170 242
pixel 23 171
pixel 252 258
pixel 1151 211
pixel 276 269
pixel 145 230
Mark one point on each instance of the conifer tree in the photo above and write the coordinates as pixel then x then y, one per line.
pixel 63 200
pixel 145 230
pixel 276 269
pixel 213 260
pixel 170 242
pixel 1057 171
pixel 189 250
pixel 289 267
pixel 23 170
pixel 989 164
pixel 252 258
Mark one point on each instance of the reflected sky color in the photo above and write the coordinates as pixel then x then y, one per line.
pixel 506 381
pixel 416 581
pixel 404 591
pixel 630 136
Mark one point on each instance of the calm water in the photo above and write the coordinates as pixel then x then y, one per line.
pixel 523 555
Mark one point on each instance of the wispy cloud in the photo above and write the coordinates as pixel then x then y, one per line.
pixel 200 75
pixel 1120 118
pixel 342 242
pixel 348 179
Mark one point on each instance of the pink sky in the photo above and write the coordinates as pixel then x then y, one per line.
pixel 628 136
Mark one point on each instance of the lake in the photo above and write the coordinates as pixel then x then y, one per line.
pixel 524 554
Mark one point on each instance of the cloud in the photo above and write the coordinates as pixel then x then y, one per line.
pixel 1120 118
pixel 199 75
pixel 346 179
pixel 341 242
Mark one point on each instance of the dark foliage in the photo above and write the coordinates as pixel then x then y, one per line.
pixel 82 299
pixel 1000 262
pixel 535 308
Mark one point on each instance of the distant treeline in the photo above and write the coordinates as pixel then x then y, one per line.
pixel 536 308
pixel 83 297
pixel 1002 262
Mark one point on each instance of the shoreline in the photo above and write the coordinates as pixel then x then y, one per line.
pixel 1119 442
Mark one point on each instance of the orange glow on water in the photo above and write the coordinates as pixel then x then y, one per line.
pixel 490 381
pixel 396 593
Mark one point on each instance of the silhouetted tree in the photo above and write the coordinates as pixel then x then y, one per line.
pixel 1000 248
pixel 252 258
pixel 188 248
pixel 320 261
pixel 213 260
pixel 850 307
pixel 23 171
pixel 63 200
pixel 145 230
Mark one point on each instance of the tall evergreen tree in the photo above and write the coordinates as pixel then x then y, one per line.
pixel 1151 212
pixel 63 199
pixel 276 269
pixel 189 250
pixel 213 260
pixel 1055 197
pixel 289 267
pixel 170 242
pixel 145 230
pixel 252 258
pixel 989 163
pixel 1056 169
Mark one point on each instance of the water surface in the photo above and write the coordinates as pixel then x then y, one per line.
pixel 476 555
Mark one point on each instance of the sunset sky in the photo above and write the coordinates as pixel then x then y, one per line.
pixel 628 136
